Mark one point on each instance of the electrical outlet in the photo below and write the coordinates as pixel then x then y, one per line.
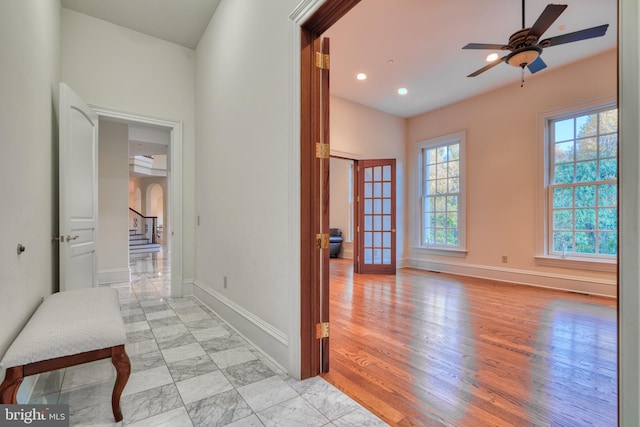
pixel 504 258
pixel 225 282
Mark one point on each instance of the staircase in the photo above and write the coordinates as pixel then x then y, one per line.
pixel 139 244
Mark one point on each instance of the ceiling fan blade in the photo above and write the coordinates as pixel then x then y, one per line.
pixel 588 33
pixel 487 67
pixel 537 65
pixel 548 17
pixel 486 46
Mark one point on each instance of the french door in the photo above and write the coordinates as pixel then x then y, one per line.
pixel 375 243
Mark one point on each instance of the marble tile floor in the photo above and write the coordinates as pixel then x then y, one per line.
pixel 189 368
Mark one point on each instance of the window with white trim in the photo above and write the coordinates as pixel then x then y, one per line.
pixel 442 193
pixel 582 204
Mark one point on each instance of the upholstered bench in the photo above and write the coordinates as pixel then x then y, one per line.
pixel 67 329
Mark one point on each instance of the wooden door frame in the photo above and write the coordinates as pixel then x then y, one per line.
pixel 310 203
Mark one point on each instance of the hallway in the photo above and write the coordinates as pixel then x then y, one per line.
pixel 189 368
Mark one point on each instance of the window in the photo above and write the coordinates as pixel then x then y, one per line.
pixel 582 203
pixel 442 197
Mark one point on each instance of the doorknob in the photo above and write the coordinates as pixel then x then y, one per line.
pixel 72 238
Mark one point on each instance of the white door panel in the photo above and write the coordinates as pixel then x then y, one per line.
pixel 78 192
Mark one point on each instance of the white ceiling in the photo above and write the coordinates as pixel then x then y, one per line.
pixel 423 38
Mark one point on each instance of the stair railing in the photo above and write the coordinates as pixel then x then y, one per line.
pixel 145 225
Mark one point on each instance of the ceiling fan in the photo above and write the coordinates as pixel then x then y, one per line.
pixel 525 47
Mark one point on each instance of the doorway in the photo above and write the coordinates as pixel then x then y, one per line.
pixel 172 229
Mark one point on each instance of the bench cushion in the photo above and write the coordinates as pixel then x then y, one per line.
pixel 68 323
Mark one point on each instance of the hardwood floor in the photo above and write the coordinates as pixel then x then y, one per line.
pixel 422 349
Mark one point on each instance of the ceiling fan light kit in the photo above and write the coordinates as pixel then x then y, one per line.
pixel 524 47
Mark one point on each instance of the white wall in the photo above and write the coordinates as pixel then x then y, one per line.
pixel 242 164
pixel 30 48
pixel 110 66
pixel 372 134
pixel 113 199
pixel 503 194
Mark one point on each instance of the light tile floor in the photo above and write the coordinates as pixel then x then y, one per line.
pixel 189 368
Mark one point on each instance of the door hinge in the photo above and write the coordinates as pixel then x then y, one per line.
pixel 322 241
pixel 322 330
pixel 322 60
pixel 322 150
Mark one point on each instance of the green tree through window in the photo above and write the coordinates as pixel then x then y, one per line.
pixel 583 189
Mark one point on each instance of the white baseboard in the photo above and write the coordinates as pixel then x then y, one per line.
pixel 266 338
pixel 187 288
pixel 114 275
pixel 565 282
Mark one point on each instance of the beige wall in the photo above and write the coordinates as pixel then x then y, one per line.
pixel 110 66
pixel 503 183
pixel 339 208
pixel 113 194
pixel 366 133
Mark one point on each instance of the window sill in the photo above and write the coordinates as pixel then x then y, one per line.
pixel 458 253
pixel 610 266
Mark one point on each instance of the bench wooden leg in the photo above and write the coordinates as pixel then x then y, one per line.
pixel 121 362
pixel 9 387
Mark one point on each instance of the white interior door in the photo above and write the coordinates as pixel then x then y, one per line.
pixel 78 192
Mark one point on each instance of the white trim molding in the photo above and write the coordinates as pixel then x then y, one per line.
pixel 261 334
pixel 114 275
pixel 563 282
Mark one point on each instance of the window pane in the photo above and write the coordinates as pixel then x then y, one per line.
pixel 586 196
pixel 609 121
pixel 368 174
pixel 587 149
pixel 431 156
pixel 564 152
pixel 608 195
pixel 563 174
pixel 609 145
pixel 368 223
pixel 608 219
pixel 368 189
pixel 563 197
pixel 386 189
pixel 429 236
pixel 585 219
pixel 386 173
pixel 377 239
pixel 386 207
pixel 454 169
pixel 442 154
pixel 441 204
pixel 377 206
pixel 386 256
pixel 441 220
pixel 452 236
pixel 608 243
pixel 608 169
pixel 441 236
pixel 386 222
pixel 563 219
pixel 377 189
pixel 586 242
pixel 377 256
pixel 563 130
pixel 368 239
pixel 454 152
pixel 442 171
pixel 562 241
pixel 377 173
pixel 441 186
pixel 454 185
pixel 452 203
pixel 386 239
pixel 587 125
pixel 368 256
pixel 586 171
pixel 429 220
pixel 368 206
pixel 452 220
pixel 377 222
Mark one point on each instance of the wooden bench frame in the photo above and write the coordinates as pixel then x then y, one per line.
pixel 14 375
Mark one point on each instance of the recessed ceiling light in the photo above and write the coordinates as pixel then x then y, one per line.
pixel 361 76
pixel 403 91
pixel 492 57
pixel 389 61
